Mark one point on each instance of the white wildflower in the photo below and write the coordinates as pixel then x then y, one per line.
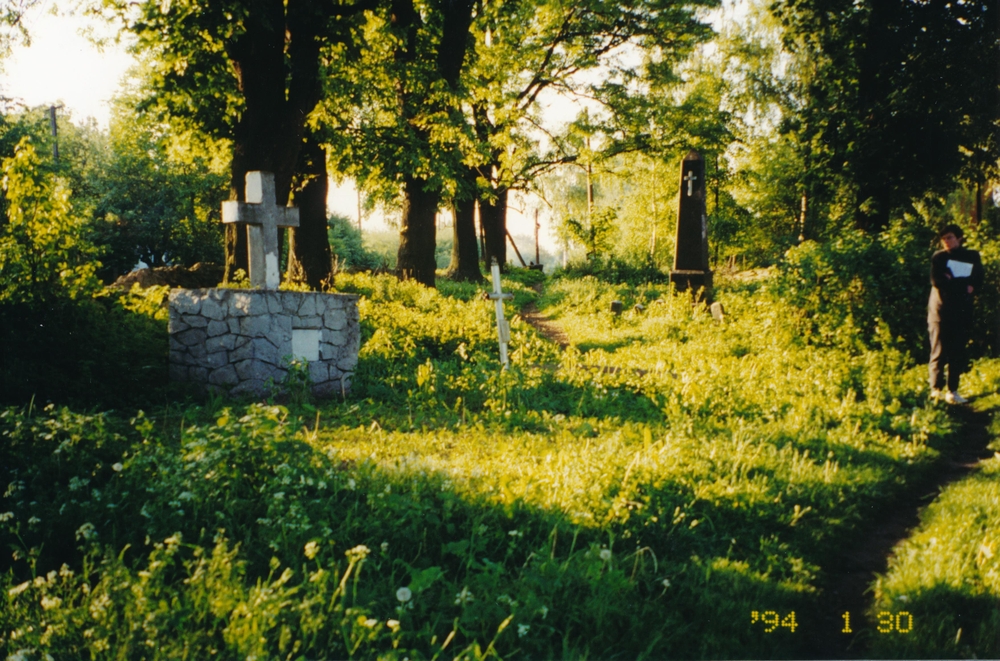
pixel 544 610
pixel 666 583
pixel 34 521
pixel 351 484
pixel 18 589
pixel 393 624
pixel 515 533
pixel 464 597
pixel 358 553
pixel 117 467
pixel 48 603
pixel 6 516
pixel 385 547
pixel 404 594
pixel 86 532
pixel 522 630
pixel 605 555
pixel 312 548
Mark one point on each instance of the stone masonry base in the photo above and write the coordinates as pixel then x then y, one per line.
pixel 241 341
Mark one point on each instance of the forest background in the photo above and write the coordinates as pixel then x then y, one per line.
pixel 838 136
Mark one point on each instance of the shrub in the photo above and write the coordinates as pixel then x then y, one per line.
pixel 110 351
pixel 859 289
pixel 349 248
pixel 44 252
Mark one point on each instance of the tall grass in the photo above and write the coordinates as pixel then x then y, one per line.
pixel 638 495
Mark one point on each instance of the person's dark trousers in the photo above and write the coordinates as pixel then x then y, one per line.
pixel 948 342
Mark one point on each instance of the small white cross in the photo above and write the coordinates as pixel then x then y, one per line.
pixel 263 218
pixel 503 330
pixel 689 178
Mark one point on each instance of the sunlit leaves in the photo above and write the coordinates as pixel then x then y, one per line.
pixel 44 250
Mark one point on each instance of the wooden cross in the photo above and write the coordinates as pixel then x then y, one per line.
pixel 498 296
pixel 263 218
pixel 689 178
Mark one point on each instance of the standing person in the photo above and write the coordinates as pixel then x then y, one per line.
pixel 956 276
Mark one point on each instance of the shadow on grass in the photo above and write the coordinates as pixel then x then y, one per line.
pixel 686 592
pixel 940 622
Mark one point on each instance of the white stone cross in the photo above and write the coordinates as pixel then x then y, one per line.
pixel 498 296
pixel 689 178
pixel 263 218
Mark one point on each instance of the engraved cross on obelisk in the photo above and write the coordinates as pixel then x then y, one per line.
pixel 263 218
pixel 691 269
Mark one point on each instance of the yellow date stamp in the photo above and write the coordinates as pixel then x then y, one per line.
pixel 887 622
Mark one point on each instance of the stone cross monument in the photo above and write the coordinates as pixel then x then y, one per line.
pixel 263 218
pixel 244 341
pixel 691 270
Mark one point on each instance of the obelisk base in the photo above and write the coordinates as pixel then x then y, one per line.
pixel 693 281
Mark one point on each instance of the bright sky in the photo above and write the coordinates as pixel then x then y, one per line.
pixel 63 67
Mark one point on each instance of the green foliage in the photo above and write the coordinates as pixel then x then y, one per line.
pixel 347 244
pixel 875 286
pixel 613 499
pixel 159 195
pixel 596 233
pixel 108 351
pixel 45 253
pixel 896 98
pixel 615 270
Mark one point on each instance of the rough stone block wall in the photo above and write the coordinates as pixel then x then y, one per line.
pixel 241 340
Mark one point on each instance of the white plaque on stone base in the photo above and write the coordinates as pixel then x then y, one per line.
pixel 305 344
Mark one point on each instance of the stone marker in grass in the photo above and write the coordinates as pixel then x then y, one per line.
pixel 691 270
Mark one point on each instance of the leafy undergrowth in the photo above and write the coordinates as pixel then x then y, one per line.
pixel 638 495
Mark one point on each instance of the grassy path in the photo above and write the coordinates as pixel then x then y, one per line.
pixel 848 585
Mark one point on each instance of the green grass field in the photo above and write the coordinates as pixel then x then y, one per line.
pixel 667 486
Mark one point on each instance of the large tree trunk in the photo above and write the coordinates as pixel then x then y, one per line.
pixel 276 61
pixel 309 244
pixel 493 217
pixel 420 202
pixel 465 249
pixel 417 240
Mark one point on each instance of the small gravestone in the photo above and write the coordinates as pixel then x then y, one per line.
pixel 243 341
pixel 691 270
pixel 616 307
pixel 718 312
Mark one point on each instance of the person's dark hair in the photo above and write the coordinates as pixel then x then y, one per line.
pixel 951 228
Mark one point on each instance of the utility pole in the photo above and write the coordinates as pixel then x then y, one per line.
pixel 359 207
pixel 55 131
pixel 538 259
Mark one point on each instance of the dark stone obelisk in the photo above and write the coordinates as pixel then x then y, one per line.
pixel 691 270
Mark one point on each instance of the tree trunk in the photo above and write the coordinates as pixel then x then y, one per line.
pixel 276 61
pixel 464 249
pixel 417 240
pixel 493 217
pixel 309 244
